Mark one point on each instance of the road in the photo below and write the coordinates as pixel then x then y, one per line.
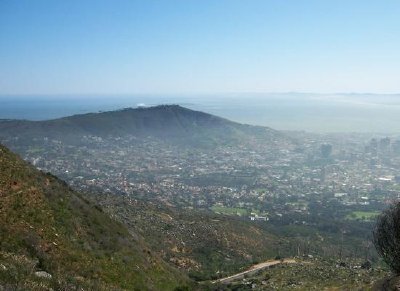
pixel 254 269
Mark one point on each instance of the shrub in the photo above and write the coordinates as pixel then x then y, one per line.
pixel 386 236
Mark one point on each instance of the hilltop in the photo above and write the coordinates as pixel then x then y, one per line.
pixel 52 237
pixel 168 122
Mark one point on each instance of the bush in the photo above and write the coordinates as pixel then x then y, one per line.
pixel 386 237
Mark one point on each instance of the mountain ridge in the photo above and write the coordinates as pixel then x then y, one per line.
pixel 168 122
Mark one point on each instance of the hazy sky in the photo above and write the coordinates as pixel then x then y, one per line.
pixel 199 46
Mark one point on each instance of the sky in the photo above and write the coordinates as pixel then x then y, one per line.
pixel 203 46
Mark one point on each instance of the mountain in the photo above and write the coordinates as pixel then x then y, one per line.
pixel 52 238
pixel 171 122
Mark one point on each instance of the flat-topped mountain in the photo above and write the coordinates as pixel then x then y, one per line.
pixel 171 122
pixel 51 238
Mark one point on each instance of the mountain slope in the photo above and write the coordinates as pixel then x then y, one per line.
pixel 204 244
pixel 45 226
pixel 313 273
pixel 171 122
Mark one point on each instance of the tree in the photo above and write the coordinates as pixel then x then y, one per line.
pixel 386 236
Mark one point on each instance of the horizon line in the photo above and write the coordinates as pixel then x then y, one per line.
pixel 195 93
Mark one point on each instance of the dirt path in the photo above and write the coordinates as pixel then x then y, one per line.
pixel 254 269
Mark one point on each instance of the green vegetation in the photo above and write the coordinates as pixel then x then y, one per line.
pixel 363 215
pixel 35 150
pixel 230 210
pixel 45 226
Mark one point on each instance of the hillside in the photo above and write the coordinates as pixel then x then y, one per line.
pixel 205 245
pixel 211 246
pixel 311 273
pixel 171 122
pixel 46 227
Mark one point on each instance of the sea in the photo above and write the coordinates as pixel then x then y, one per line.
pixel 310 112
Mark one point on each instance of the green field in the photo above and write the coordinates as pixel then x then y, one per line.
pixel 363 215
pixel 35 150
pixel 229 210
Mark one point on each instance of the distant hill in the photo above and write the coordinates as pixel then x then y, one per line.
pixel 46 229
pixel 169 122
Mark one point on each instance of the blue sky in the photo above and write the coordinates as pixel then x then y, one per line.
pixel 190 47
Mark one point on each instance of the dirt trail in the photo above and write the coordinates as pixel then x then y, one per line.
pixel 254 268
